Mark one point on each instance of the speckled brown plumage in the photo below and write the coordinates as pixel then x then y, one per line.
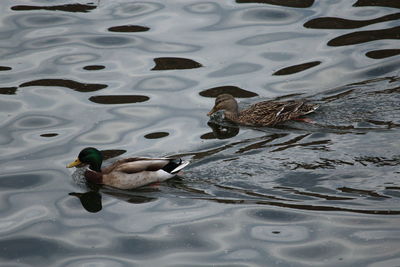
pixel 266 113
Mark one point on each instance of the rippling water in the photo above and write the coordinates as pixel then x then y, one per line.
pixel 137 78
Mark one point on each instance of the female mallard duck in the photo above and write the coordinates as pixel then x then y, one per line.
pixel 266 113
pixel 127 173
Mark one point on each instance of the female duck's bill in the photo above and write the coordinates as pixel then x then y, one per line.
pixel 224 102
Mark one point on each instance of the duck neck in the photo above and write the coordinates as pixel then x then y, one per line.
pixel 232 115
pixel 95 166
pixel 94 176
pixel 232 112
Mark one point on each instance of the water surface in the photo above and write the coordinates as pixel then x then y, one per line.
pixel 137 78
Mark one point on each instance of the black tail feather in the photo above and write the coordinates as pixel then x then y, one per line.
pixel 172 165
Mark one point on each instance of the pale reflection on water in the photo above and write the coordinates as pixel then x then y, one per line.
pixel 137 78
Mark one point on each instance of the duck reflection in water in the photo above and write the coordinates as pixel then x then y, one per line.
pixel 92 200
pixel 221 129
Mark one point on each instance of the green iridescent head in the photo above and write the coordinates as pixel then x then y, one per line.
pixel 91 156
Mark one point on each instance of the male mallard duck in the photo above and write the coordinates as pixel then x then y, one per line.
pixel 266 113
pixel 127 173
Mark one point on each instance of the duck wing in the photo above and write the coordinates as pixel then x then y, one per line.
pixel 134 165
pixel 270 112
pixel 135 172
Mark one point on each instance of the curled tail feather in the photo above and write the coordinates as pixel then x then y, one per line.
pixel 175 165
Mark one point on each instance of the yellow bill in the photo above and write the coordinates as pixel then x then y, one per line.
pixel 74 163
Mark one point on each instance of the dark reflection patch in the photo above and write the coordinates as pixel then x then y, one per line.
pixel 118 99
pixel 66 8
pixel 5 68
pixel 156 135
pixel 233 90
pixel 386 3
pixel 221 131
pixel 112 153
pixel 365 36
pixel 288 3
pixel 384 53
pixel 297 68
pixel 94 67
pixel 8 90
pixel 49 135
pixel 140 199
pixel 339 23
pixel 77 86
pixel 208 136
pixel 91 201
pixel 174 63
pixel 128 28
